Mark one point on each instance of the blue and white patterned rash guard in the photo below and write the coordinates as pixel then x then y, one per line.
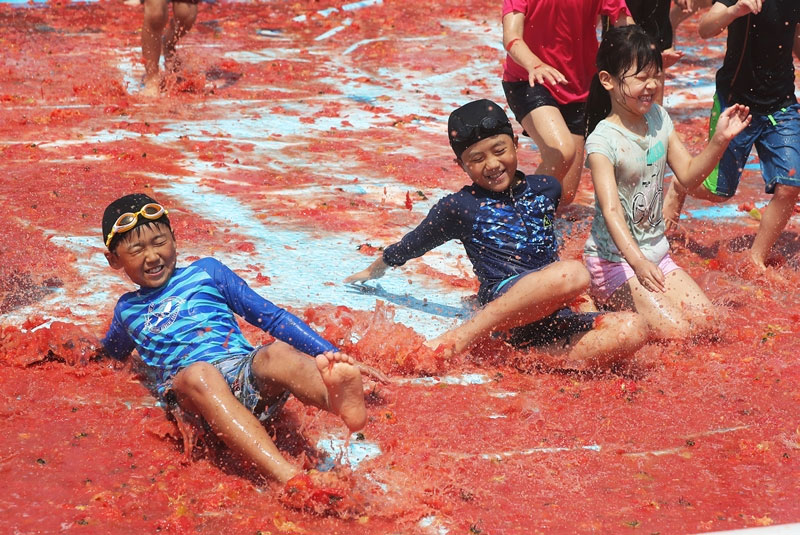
pixel 504 233
pixel 190 319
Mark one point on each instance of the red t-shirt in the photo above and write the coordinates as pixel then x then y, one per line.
pixel 563 34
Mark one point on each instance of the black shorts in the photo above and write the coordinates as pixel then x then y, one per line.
pixel 523 99
pixel 559 325
pixel 653 17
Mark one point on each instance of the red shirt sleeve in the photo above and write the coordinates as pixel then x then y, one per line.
pixel 520 6
pixel 614 9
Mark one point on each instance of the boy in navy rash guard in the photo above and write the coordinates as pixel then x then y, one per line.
pixel 181 322
pixel 505 222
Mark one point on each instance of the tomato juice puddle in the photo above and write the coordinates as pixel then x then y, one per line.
pixel 270 146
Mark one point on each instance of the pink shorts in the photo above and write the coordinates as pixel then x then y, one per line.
pixel 607 276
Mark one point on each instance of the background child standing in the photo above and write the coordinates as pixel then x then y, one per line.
pixel 551 48
pixel 631 140
pixel 156 41
pixel 758 71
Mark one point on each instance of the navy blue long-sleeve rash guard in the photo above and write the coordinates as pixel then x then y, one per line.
pixel 504 233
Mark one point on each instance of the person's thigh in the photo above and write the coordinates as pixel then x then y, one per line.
pixel 546 126
pixel 779 149
pixel 684 293
pixel 724 179
pixel 185 12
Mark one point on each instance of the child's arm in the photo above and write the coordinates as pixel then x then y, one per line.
pixel 796 46
pixel 262 313
pixel 720 16
pixel 605 187
pixel 539 72
pixel 440 225
pixel 691 171
pixel 117 343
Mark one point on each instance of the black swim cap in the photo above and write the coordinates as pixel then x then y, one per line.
pixel 129 203
pixel 475 121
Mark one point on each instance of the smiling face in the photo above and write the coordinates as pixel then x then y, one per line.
pixel 491 163
pixel 147 254
pixel 633 92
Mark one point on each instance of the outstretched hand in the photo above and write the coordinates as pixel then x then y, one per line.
pixel 372 373
pixel 544 73
pixel 733 120
pixel 374 271
pixel 670 57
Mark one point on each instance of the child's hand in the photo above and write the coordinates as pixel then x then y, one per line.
pixel 650 276
pixel 544 73
pixel 745 7
pixel 732 121
pixel 373 373
pixel 374 271
pixel 670 57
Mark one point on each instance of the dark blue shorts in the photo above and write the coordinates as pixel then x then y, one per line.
pixel 776 137
pixel 523 99
pixel 559 325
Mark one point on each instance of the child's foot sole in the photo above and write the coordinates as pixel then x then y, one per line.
pixel 345 390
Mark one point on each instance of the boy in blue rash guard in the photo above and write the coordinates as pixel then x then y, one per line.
pixel 505 222
pixel 181 322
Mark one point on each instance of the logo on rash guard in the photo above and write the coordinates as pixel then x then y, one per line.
pixel 162 314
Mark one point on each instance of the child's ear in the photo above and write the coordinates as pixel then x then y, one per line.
pixel 113 260
pixel 459 162
pixel 606 80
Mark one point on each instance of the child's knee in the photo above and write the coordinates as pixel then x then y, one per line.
pixel 575 276
pixel 785 193
pixel 156 14
pixel 196 379
pixel 630 328
pixel 185 14
pixel 670 328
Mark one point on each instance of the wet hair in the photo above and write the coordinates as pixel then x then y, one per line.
pixel 621 49
pixel 128 203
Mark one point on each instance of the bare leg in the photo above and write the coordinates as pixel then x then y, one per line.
pixel 330 382
pixel 562 151
pixel 680 312
pixel 535 296
pixel 616 336
pixel 183 16
pixel 154 21
pixel 201 389
pixel 774 219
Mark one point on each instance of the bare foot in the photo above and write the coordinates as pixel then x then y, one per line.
pixel 152 86
pixel 345 391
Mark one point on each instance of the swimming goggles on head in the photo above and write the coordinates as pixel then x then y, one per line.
pixel 487 127
pixel 128 220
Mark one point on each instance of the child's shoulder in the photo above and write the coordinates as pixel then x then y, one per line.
pixel 546 185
